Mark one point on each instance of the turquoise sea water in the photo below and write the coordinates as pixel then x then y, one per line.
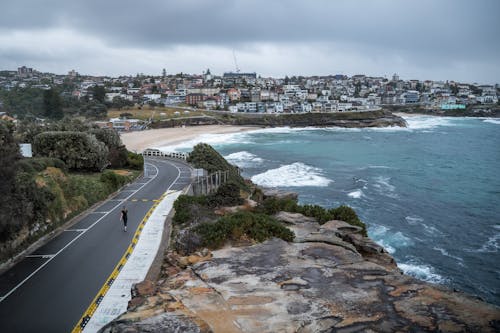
pixel 430 193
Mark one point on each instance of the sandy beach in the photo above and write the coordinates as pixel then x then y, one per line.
pixel 140 140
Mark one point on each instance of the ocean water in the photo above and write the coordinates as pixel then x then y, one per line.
pixel 429 193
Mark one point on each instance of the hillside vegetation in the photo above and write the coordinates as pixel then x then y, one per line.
pixel 227 215
pixel 66 176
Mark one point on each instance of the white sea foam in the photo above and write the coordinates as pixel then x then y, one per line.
pixel 384 187
pixel 379 167
pixel 285 129
pixel 431 230
pixel 356 194
pixel 390 241
pixel 211 139
pixel 244 159
pixel 491 245
pixel 446 254
pixel 296 174
pixel 414 220
pixel 429 122
pixel 386 246
pixel 422 272
pixel 492 121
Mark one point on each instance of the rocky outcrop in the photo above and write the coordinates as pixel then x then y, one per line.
pixel 330 279
pixel 381 118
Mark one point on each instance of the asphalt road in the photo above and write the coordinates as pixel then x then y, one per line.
pixel 49 290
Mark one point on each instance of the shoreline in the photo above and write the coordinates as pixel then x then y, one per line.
pixel 154 138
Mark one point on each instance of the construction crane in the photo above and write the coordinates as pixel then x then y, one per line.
pixel 236 62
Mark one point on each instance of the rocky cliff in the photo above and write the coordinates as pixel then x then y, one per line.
pixel 330 279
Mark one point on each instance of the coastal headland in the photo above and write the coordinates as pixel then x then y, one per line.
pixel 328 277
pixel 177 130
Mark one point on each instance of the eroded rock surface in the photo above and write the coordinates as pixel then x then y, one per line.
pixel 331 279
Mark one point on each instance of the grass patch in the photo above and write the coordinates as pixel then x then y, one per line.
pixel 146 112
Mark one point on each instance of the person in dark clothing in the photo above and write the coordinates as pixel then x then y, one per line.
pixel 124 218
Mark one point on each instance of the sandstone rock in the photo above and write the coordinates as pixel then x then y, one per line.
pixel 340 227
pixel 330 279
pixel 163 322
pixel 279 194
pixel 144 288
pixel 293 218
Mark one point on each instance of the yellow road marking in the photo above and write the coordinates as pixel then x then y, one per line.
pixel 82 322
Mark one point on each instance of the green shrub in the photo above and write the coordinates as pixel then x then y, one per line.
pixel 37 164
pixel 344 213
pixel 347 214
pixel 184 208
pixel 113 180
pixel 80 151
pixel 319 213
pixel 135 161
pixel 205 157
pixel 274 205
pixel 88 186
pixel 118 154
pixel 227 194
pixel 258 227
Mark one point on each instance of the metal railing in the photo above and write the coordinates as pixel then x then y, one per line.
pixel 208 184
pixel 159 153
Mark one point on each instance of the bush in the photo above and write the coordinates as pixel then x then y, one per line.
pixel 112 180
pixel 205 157
pixel 135 161
pixel 344 213
pixel 183 208
pixel 37 164
pixel 274 205
pixel 347 214
pixel 117 155
pixel 80 151
pixel 258 227
pixel 227 194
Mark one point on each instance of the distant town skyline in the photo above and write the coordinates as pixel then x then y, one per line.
pixel 436 40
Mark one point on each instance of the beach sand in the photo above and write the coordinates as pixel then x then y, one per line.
pixel 154 138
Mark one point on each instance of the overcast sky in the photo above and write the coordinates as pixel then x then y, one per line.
pixel 424 39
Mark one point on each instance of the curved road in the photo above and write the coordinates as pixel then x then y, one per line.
pixel 49 290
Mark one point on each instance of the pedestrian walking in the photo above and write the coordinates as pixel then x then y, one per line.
pixel 124 218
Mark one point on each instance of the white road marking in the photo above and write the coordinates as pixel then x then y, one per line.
pixel 71 242
pixel 76 230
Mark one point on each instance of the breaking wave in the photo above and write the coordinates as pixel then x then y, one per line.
pixel 384 187
pixel 390 241
pixel 356 194
pixel 244 159
pixel 211 139
pixel 422 272
pixel 296 174
pixel 492 121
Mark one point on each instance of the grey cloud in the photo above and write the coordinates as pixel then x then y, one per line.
pixel 422 32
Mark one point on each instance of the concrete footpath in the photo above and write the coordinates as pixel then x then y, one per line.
pixel 132 268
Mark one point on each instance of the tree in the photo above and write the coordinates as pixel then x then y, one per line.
pixel 357 88
pixel 99 93
pixel 80 151
pixel 117 153
pixel 9 155
pixel 52 105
